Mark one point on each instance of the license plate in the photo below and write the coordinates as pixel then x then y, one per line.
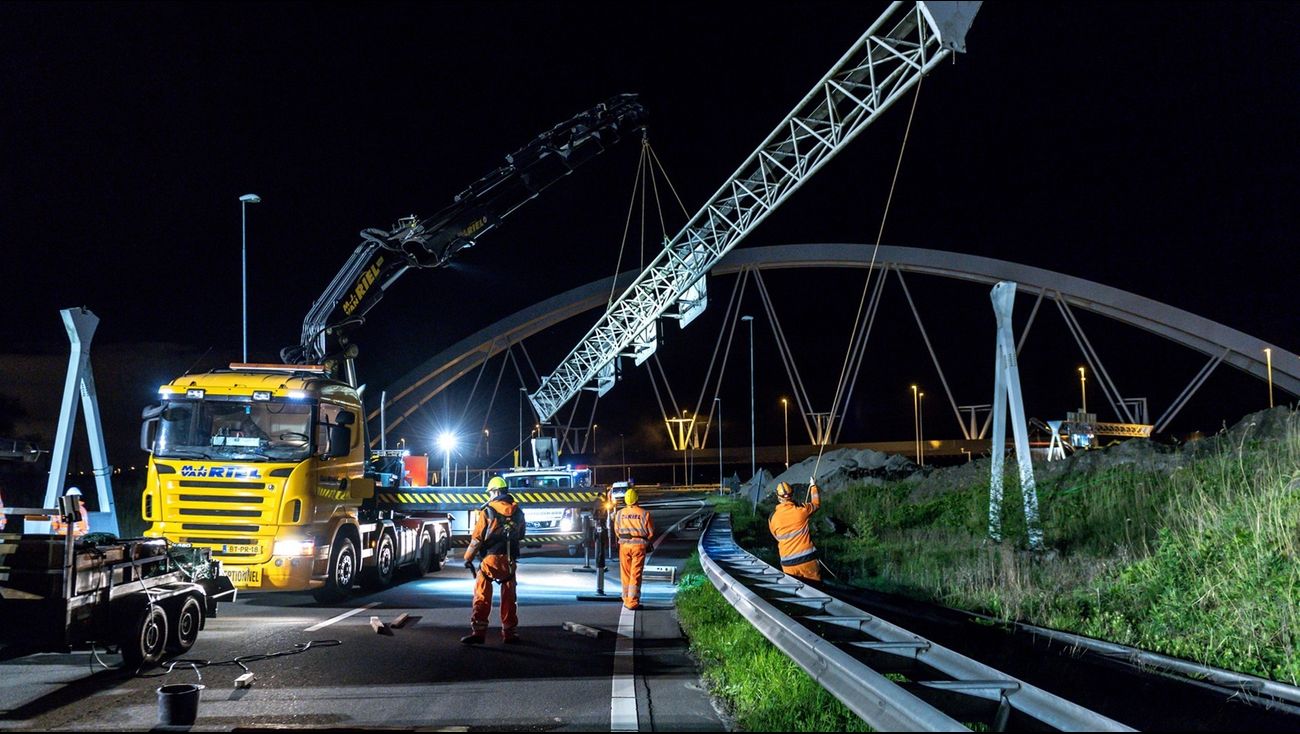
pixel 244 576
pixel 242 549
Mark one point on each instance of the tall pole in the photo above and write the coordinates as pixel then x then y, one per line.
pixel 520 447
pixel 920 424
pixel 719 402
pixel 623 447
pixel 916 423
pixel 785 409
pixel 244 201
pixel 1083 390
pixel 753 463
pixel 1268 355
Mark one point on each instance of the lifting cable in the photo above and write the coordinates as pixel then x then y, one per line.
pixel 844 369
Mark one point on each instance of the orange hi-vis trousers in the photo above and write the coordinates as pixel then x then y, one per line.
pixel 631 565
pixel 495 568
pixel 808 570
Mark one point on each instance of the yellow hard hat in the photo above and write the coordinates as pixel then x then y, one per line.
pixel 496 484
pixel 783 490
pixel 630 497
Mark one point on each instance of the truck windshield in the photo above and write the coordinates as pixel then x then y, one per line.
pixel 234 430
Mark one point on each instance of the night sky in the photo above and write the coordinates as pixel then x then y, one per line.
pixel 1150 147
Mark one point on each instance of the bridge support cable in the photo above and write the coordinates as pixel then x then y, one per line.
pixel 1199 379
pixel 487 414
pixel 487 355
pixel 859 356
pixel 901 46
pixel 933 357
pixel 787 358
pixel 1113 395
pixel 729 321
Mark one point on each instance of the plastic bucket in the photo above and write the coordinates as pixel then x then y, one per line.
pixel 178 704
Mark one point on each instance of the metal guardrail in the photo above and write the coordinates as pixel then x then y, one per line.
pixel 852 654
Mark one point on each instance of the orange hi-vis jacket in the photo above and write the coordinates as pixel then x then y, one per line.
pixel 632 525
pixel 789 525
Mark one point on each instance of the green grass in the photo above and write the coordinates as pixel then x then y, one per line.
pixel 1200 562
pixel 761 687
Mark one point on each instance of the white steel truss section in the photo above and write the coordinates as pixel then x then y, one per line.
pixel 903 44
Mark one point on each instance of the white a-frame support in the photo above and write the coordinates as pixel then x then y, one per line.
pixel 81 325
pixel 1006 386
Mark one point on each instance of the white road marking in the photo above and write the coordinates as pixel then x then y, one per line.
pixel 342 616
pixel 622 702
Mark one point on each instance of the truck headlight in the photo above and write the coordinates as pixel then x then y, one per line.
pixel 294 548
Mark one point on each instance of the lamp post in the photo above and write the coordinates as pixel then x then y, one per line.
pixel 1083 390
pixel 1268 355
pixel 719 402
pixel 446 442
pixel 487 446
pixel 594 426
pixel 244 201
pixel 522 390
pixel 920 424
pixel 785 410
pixel 753 464
pixel 623 448
pixel 916 423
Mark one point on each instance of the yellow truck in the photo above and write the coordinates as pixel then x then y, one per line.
pixel 266 465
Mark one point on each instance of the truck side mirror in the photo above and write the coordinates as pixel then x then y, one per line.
pixel 151 415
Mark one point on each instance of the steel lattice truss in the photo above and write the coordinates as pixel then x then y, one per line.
pixel 903 45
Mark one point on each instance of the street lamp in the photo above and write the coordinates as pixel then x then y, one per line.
pixel 487 445
pixel 1083 390
pixel 1268 355
pixel 594 426
pixel 446 442
pixel 916 423
pixel 623 449
pixel 753 464
pixel 920 424
pixel 785 409
pixel 244 201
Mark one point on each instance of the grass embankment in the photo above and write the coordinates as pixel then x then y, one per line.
pixel 1200 561
pixel 761 687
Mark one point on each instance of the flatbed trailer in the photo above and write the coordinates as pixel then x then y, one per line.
pixel 145 596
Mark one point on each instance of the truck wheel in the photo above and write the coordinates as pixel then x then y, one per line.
pixel 185 625
pixel 342 572
pixel 380 575
pixel 425 556
pixel 143 637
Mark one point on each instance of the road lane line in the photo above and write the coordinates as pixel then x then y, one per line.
pixel 342 616
pixel 622 702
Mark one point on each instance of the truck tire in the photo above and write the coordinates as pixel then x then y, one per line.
pixel 143 637
pixel 426 556
pixel 380 575
pixel 341 573
pixel 443 547
pixel 184 625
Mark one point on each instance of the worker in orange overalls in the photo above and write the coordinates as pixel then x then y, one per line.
pixel 498 528
pixel 789 525
pixel 634 528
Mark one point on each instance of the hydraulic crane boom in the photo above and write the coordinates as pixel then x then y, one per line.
pixel 385 255
pixel 903 44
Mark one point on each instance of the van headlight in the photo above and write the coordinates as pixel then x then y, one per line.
pixel 294 547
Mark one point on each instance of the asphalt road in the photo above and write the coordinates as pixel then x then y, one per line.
pixel 418 676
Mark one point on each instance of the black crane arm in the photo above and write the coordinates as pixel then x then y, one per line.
pixel 384 255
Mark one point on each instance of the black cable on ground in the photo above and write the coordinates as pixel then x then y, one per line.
pixel 196 664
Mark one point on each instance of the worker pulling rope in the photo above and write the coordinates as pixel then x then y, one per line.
pixel 880 234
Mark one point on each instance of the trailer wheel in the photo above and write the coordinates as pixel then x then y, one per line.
pixel 380 575
pixel 342 571
pixel 143 637
pixel 185 625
